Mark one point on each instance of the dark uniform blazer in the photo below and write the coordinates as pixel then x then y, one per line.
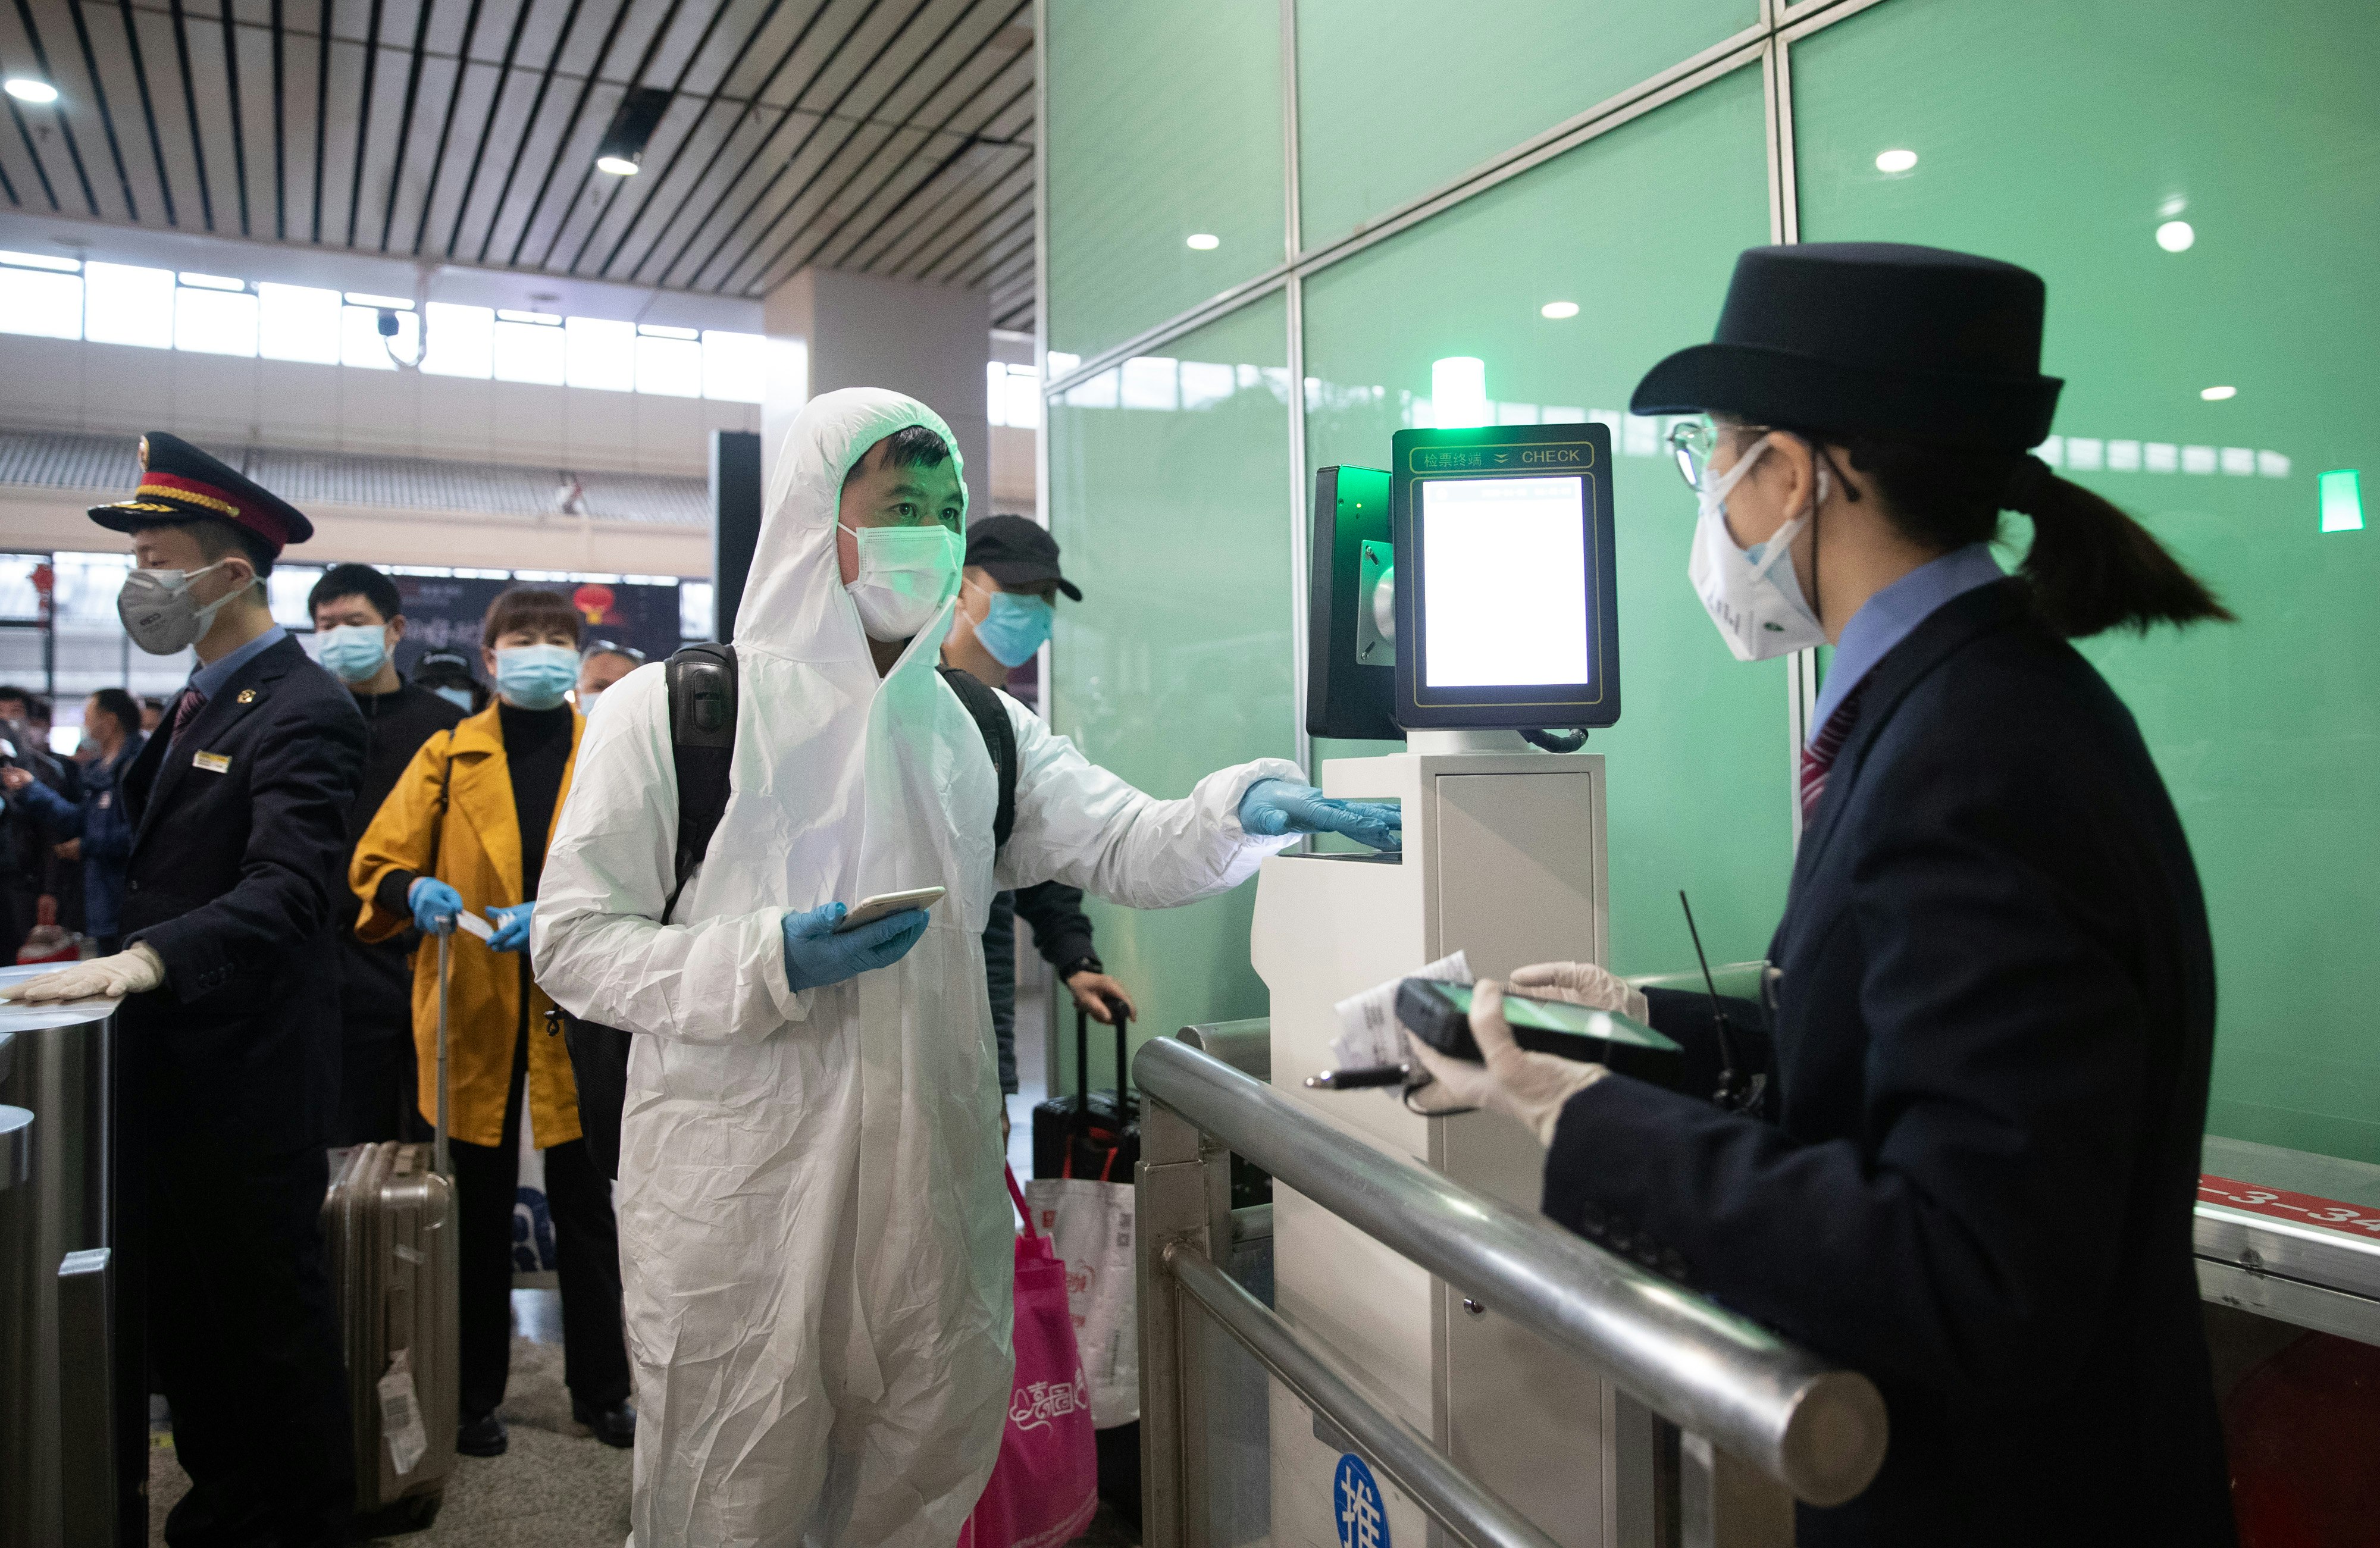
pixel 1992 1039
pixel 235 882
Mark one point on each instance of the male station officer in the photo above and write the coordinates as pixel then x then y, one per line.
pixel 230 1016
pixel 358 620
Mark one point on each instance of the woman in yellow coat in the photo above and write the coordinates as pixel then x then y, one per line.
pixel 466 829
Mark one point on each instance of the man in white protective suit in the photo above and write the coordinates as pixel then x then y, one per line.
pixel 815 1240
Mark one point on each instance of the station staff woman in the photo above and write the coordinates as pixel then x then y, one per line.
pixel 1997 999
pixel 466 827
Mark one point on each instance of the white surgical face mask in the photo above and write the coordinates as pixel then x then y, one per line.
pixel 906 576
pixel 535 676
pixel 159 611
pixel 1751 594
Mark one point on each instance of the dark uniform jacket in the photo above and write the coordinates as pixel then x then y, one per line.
pixel 234 881
pixel 1992 1039
pixel 376 979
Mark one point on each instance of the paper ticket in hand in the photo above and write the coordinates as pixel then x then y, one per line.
pixel 1368 1032
pixel 486 931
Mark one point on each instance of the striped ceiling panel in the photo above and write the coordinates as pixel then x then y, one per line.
pixel 890 136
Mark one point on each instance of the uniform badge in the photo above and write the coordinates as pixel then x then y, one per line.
pixel 213 762
pixel 247 695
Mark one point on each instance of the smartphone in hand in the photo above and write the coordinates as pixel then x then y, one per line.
pixel 870 910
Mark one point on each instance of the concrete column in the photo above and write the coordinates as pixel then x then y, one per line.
pixel 827 330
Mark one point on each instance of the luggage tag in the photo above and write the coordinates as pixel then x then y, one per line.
pixel 400 1415
pixel 212 763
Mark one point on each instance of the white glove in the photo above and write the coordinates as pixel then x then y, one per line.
pixel 126 972
pixel 1528 1086
pixel 1582 984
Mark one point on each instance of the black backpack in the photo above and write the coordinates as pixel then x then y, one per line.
pixel 702 741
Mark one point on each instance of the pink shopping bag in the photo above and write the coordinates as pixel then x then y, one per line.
pixel 1045 1487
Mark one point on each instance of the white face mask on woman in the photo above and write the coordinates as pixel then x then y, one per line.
pixel 1751 594
pixel 906 576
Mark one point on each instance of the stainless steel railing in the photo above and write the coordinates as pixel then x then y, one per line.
pixel 1817 1429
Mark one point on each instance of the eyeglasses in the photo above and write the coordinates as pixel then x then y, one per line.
pixel 1691 441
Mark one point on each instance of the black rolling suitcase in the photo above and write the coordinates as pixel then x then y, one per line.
pixel 1096 1134
pixel 1093 1134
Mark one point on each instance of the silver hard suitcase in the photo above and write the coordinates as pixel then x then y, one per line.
pixel 389 1221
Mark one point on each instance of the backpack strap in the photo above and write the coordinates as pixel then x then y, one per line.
pixel 998 740
pixel 702 743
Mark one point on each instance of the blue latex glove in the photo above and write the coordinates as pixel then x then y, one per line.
pixel 1273 807
pixel 816 956
pixel 435 904
pixel 512 927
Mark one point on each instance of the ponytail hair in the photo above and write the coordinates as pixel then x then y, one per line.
pixel 2092 568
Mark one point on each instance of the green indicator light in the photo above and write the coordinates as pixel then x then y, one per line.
pixel 2342 501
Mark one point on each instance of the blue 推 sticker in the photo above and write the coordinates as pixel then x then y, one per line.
pixel 1361 1513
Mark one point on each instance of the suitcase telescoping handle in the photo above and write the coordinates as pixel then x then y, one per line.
pixel 1123 1018
pixel 445 941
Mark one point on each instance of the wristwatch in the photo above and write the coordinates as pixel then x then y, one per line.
pixel 1087 963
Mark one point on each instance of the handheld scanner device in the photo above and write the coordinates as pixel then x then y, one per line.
pixel 1439 1014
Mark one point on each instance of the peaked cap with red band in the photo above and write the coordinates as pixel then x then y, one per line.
pixel 180 483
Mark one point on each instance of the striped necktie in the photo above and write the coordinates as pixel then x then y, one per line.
pixel 185 711
pixel 1818 757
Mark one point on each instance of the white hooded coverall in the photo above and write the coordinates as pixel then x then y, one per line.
pixel 814 1242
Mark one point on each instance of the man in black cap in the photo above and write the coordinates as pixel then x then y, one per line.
pixel 1007 599
pixel 229 1024
pixel 449 673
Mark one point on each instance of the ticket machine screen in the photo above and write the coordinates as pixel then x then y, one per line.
pixel 1505 584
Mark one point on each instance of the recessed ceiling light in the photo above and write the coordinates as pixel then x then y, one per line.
pixel 618 166
pixel 1203 242
pixel 1558 309
pixel 2217 394
pixel 2176 235
pixel 25 88
pixel 1896 160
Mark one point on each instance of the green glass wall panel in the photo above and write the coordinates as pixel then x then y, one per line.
pixel 2063 138
pixel 1169 495
pixel 1165 123
pixel 1640 227
pixel 1397 97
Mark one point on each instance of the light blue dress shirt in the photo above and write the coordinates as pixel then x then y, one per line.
pixel 209 680
pixel 1892 612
